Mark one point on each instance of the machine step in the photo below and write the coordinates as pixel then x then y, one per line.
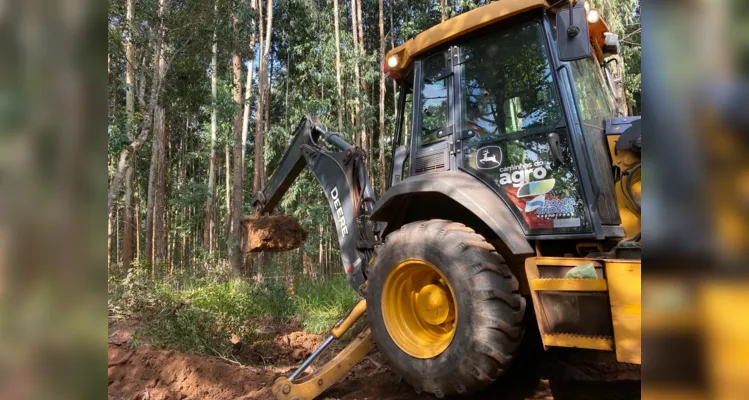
pixel 578 341
pixel 569 285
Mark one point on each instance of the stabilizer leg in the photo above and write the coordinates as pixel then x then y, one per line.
pixel 312 385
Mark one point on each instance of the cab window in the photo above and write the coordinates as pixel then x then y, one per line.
pixel 595 102
pixel 507 84
pixel 435 93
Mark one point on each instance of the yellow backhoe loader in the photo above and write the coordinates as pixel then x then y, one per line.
pixel 513 202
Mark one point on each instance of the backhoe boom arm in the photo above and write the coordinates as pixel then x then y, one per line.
pixel 344 179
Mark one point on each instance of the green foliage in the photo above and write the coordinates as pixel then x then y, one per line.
pixel 201 315
pixel 202 318
pixel 320 305
pixel 134 294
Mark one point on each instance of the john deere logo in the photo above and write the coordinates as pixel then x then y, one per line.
pixel 489 157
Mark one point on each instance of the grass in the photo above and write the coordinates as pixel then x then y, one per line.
pixel 320 305
pixel 201 315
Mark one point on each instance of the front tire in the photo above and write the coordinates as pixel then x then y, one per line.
pixel 462 350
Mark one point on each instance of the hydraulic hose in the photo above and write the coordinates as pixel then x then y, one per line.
pixel 626 183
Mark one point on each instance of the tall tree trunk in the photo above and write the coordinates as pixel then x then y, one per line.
pixel 324 272
pixel 168 239
pixel 127 256
pixel 155 146
pixel 236 210
pixel 268 73
pixel 364 140
pixel 208 218
pixel 117 253
pixel 257 184
pixel 130 217
pixel 248 91
pixel 156 181
pixel 321 255
pixel 359 25
pixel 268 89
pixel 183 247
pixel 262 102
pixel 137 225
pixel 339 87
pixel 443 10
pixel 286 97
pixel 181 178
pixel 159 204
pixel 392 46
pixel 382 97
pixel 263 114
pixel 357 74
pixel 157 79
pixel 140 82
pixel 109 241
pixel 227 193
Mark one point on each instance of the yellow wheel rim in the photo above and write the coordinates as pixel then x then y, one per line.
pixel 418 306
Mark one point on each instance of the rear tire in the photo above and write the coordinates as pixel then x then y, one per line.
pixel 489 307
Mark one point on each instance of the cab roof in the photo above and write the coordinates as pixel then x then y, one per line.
pixel 465 23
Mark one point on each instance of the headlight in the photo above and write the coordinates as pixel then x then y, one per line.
pixel 393 61
pixel 593 16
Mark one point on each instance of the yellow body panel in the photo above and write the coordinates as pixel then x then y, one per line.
pixel 312 385
pixel 722 310
pixel 625 159
pixel 710 311
pixel 459 26
pixel 625 291
pixel 470 21
pixel 620 279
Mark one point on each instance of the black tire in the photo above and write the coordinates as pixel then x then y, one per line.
pixel 490 309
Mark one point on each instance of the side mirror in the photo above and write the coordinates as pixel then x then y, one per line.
pixel 573 42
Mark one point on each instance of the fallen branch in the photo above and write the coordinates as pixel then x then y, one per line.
pixel 233 360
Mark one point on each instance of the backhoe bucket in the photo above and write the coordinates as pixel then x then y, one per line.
pixel 271 233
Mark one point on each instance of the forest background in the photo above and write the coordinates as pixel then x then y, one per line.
pixel 203 97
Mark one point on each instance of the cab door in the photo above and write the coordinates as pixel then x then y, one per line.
pixel 433 114
pixel 512 133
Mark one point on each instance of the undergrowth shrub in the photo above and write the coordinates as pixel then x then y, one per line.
pixel 320 305
pixel 202 314
pixel 132 295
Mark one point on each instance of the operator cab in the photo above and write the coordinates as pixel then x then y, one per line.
pixel 499 104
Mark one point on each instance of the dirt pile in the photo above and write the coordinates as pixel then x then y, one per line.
pixel 271 233
pixel 145 373
pixel 148 373
pixel 298 345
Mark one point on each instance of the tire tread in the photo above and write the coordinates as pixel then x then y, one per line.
pixel 498 311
